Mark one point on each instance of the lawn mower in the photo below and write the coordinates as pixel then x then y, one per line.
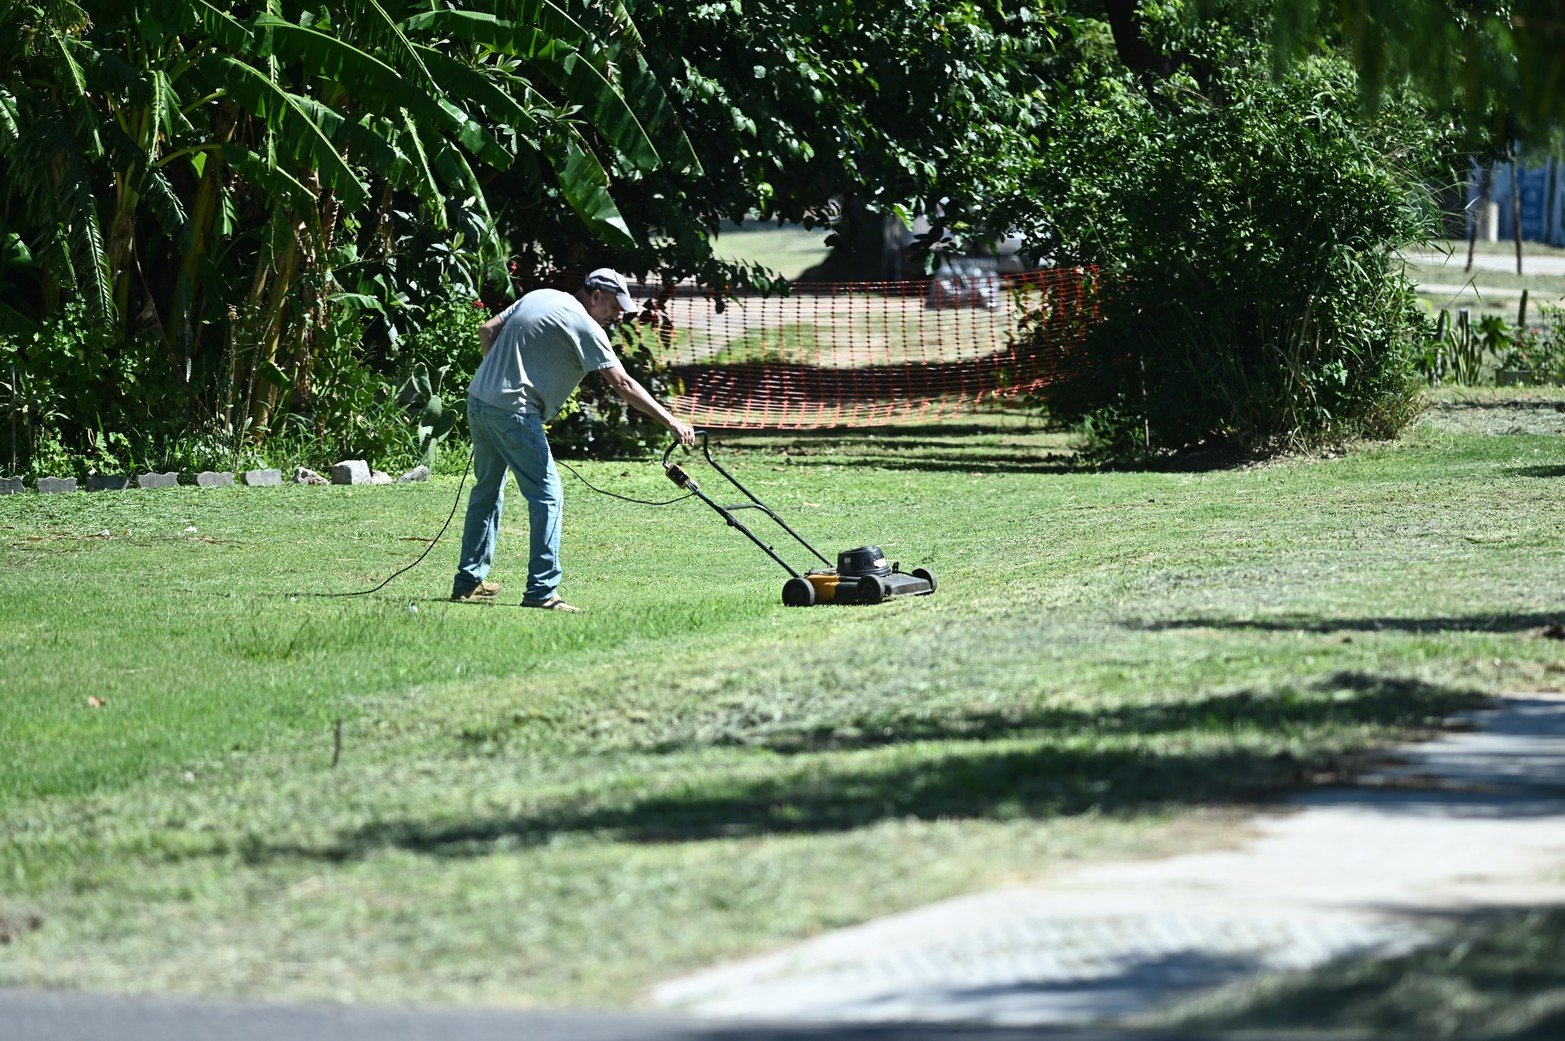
pixel 861 576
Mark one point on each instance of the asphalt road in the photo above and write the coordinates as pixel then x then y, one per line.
pixel 59 1016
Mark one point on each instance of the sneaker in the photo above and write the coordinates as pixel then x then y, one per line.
pixel 482 591
pixel 554 603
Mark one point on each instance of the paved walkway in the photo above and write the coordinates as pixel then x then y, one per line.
pixel 1473 820
pixel 1453 268
pixel 1477 294
pixel 32 1016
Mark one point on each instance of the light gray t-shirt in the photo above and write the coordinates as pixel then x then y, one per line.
pixel 547 343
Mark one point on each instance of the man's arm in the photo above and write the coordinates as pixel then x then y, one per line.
pixel 635 395
pixel 489 332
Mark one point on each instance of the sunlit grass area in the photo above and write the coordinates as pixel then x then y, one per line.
pixel 788 250
pixel 529 808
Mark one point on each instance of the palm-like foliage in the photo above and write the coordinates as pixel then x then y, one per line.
pixel 180 167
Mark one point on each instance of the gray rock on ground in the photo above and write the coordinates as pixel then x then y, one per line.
pixel 56 485
pixel 263 478
pixel 210 479
pixel 350 471
pixel 418 473
pixel 11 486
pixel 168 480
pixel 304 475
pixel 107 483
pixel 379 477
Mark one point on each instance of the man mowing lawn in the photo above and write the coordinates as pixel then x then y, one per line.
pixel 535 353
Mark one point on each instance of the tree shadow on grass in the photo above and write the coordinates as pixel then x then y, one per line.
pixel 1534 471
pixel 1382 700
pixel 923 449
pixel 933 461
pixel 1512 404
pixel 1134 761
pixel 1500 622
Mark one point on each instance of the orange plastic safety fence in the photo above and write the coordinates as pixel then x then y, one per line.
pixel 863 354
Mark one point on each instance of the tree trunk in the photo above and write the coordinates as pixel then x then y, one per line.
pixel 1485 192
pixel 275 318
pixel 185 331
pixel 1130 42
pixel 301 255
pixel 1516 208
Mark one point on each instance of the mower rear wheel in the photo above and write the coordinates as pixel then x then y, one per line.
pixel 870 590
pixel 928 576
pixel 798 592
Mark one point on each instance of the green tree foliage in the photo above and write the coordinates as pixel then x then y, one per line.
pixel 262 206
pixel 225 181
pixel 892 103
pixel 1498 59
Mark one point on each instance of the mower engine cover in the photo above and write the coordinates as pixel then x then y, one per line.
pixel 866 560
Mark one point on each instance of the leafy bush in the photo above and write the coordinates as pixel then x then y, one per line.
pixel 85 400
pixel 1244 239
pixel 1459 347
pixel 384 409
pixel 1539 353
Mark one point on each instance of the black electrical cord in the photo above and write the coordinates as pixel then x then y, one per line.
pixel 432 542
pixel 616 495
pixel 458 502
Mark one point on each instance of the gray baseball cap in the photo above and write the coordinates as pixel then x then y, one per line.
pixel 610 281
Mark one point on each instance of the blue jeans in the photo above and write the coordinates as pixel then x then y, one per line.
pixel 505 439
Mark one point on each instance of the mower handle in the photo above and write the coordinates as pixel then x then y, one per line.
pixel 706 447
pixel 676 473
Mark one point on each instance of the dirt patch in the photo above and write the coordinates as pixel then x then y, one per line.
pixel 1519 416
pixel 16 927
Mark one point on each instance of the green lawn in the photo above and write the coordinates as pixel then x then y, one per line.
pixel 541 809
pixel 789 250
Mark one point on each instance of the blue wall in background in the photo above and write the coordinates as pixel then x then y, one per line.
pixel 1542 190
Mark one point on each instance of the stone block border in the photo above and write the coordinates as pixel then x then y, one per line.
pixel 351 472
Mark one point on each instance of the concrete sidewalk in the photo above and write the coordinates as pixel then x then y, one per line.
pixel 1451 295
pixel 1453 267
pixel 1471 820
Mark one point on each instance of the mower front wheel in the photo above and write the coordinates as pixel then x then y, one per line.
pixel 928 576
pixel 798 592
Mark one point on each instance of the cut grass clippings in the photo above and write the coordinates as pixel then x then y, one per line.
pixel 547 810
